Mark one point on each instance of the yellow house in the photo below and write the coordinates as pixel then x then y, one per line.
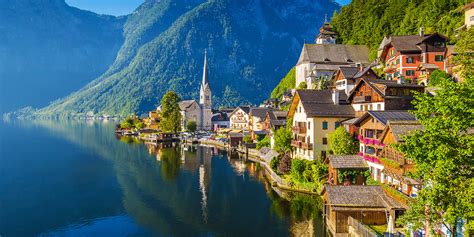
pixel 315 114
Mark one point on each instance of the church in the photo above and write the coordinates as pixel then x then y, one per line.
pixel 200 112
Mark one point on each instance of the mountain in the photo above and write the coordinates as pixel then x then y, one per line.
pixel 250 45
pixel 49 49
pixel 368 21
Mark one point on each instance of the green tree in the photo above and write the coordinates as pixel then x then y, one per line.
pixel 464 48
pixel 282 139
pixel 265 142
pixel 437 76
pixel 191 126
pixel 170 112
pixel 342 143
pixel 298 166
pixel 443 156
pixel 247 139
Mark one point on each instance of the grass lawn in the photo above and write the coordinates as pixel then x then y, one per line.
pixel 379 228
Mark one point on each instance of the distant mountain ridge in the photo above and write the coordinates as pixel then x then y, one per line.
pixel 49 49
pixel 250 43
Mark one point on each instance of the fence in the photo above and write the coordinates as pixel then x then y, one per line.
pixel 360 228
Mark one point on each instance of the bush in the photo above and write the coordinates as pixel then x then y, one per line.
pixel 298 167
pixel 247 139
pixel 191 126
pixel 274 163
pixel 302 86
pixel 265 142
pixel 437 77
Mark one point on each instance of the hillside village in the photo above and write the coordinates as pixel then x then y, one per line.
pixel 339 94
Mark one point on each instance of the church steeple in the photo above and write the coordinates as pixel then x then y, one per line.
pixel 205 93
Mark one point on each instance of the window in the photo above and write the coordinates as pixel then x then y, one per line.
pixel 325 125
pixel 361 108
pixel 439 44
pixel 439 58
pixel 410 73
pixel 409 60
pixel 472 18
pixel 309 125
pixel 370 107
pixel 379 107
pixel 325 141
pixel 337 124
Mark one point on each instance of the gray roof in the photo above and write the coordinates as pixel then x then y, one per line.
pixel 362 196
pixel 319 103
pixel 259 112
pixel 387 115
pixel 347 162
pixel 334 54
pixel 403 128
pixel 185 104
pixel 349 71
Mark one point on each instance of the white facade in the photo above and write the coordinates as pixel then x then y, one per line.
pixel 239 119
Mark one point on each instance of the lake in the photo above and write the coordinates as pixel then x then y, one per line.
pixel 76 178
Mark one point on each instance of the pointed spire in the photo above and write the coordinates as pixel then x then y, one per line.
pixel 205 81
pixel 325 18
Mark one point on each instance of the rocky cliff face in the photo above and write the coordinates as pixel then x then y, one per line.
pixel 250 44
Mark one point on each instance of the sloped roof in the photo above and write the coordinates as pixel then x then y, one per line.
pixel 334 53
pixel 246 109
pixel 185 104
pixel 402 128
pixel 362 196
pixel 259 112
pixel 347 162
pixel 385 116
pixel 319 103
pixel 221 116
pixel 380 86
pixel 349 71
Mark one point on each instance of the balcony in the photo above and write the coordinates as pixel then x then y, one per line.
pixel 361 99
pixel 390 69
pixel 298 130
pixel 306 146
pixel 296 143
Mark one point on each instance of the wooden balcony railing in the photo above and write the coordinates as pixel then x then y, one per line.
pixel 391 154
pixel 298 130
pixel 296 143
pixel 359 99
pixel 306 146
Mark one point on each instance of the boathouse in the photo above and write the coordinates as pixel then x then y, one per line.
pixel 339 164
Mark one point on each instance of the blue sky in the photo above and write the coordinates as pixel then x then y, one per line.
pixel 121 7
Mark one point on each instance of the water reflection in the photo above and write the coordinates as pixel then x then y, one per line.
pixel 172 191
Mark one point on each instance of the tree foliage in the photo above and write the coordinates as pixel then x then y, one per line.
pixel 170 112
pixel 437 77
pixel 191 126
pixel 342 143
pixel 443 154
pixel 285 164
pixel 288 82
pixel 303 85
pixel 368 21
pixel 265 142
pixel 282 139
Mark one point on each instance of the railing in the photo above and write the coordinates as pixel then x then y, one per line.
pixel 296 143
pixel 307 146
pixel 298 130
pixel 392 154
pixel 366 98
pixel 360 228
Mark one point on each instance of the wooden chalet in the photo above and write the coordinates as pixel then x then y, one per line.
pixel 369 94
pixel 340 163
pixel 369 205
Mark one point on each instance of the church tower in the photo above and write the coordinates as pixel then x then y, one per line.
pixel 326 34
pixel 205 98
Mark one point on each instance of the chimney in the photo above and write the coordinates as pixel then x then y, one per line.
pixel 335 96
pixel 359 65
pixel 422 31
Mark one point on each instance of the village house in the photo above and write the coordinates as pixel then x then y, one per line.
pixel 468 16
pixel 346 206
pixel 220 120
pixel 402 55
pixel 256 122
pixel 371 126
pixel 321 60
pixel 316 113
pixel 396 166
pixel 338 164
pixel 239 118
pixel 201 112
pixel 370 94
pixel 274 120
pixel 347 76
pixel 153 120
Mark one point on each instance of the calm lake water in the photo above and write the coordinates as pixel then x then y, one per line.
pixel 73 178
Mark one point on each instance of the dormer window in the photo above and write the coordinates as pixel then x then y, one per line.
pixel 439 44
pixel 349 60
pixel 326 60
